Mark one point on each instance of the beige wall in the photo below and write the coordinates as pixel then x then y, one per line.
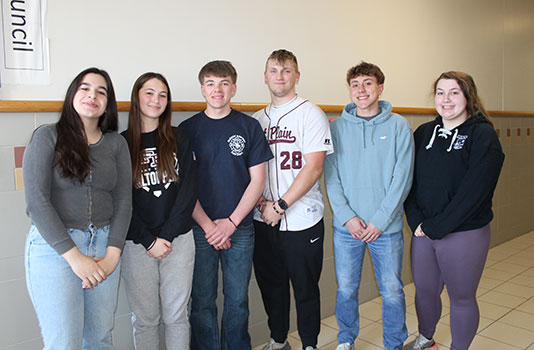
pixel 413 41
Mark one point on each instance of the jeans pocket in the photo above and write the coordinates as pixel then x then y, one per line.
pixel 34 236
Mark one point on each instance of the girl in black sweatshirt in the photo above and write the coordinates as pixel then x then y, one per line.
pixel 458 160
pixel 158 257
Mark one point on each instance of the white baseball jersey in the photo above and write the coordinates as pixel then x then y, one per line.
pixel 293 130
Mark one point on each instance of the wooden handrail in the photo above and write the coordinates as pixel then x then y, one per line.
pixel 124 106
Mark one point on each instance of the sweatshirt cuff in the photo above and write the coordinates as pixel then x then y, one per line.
pixel 414 221
pixel 169 236
pixel 429 231
pixel 147 240
pixel 116 242
pixel 344 215
pixel 380 220
pixel 64 246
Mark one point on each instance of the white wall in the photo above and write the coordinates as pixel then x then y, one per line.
pixel 412 40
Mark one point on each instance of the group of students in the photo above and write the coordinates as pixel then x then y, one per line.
pixel 225 188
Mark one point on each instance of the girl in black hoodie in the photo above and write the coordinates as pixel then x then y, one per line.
pixel 159 253
pixel 458 160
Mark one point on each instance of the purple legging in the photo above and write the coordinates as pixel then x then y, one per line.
pixel 456 261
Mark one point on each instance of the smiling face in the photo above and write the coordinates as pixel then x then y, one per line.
pixel 451 103
pixel 218 91
pixel 153 98
pixel 281 79
pixel 365 91
pixel 91 98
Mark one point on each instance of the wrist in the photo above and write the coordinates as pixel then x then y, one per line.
pixel 277 209
pixel 72 254
pixel 207 226
pixel 113 252
pixel 232 222
pixel 152 244
pixel 282 204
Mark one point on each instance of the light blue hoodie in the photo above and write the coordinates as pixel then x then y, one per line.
pixel 370 173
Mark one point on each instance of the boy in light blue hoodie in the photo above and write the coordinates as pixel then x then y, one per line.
pixel 367 180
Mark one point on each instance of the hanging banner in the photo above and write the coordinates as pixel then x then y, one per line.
pixel 25 55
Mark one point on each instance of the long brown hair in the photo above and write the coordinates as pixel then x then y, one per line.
pixel 165 137
pixel 72 151
pixel 467 84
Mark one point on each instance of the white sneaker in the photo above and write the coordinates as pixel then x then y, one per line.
pixel 344 346
pixel 422 343
pixel 272 345
pixel 309 347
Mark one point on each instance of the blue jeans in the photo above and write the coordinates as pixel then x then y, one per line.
pixel 386 253
pixel 70 317
pixel 236 264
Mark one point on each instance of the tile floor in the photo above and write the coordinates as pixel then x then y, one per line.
pixel 506 301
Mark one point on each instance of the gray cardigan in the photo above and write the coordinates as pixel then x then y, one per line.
pixel 55 203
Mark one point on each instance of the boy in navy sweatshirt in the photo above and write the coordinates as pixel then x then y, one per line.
pixel 231 154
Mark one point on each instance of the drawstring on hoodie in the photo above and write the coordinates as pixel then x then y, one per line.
pixel 453 138
pixel 372 135
pixel 442 132
pixel 431 142
pixel 363 136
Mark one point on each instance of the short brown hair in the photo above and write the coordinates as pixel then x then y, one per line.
pixel 282 56
pixel 365 68
pixel 219 69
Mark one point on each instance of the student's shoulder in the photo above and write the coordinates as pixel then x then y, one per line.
pixel 46 130
pixel 307 107
pixel 484 132
pixel 244 118
pixel 191 121
pixel 399 120
pixel 259 114
pixel 114 135
pixel 425 127
pixel 113 138
pixel 239 114
pixel 44 134
pixel 180 132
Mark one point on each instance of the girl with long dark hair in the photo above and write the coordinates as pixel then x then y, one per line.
pixel 76 179
pixel 458 159
pixel 158 257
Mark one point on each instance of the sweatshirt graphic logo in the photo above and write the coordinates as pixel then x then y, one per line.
pixel 237 144
pixel 150 181
pixel 277 135
pixel 460 141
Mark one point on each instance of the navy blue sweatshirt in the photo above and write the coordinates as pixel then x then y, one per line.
pixel 455 175
pixel 162 208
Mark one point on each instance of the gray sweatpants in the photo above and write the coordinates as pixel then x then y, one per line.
pixel 150 283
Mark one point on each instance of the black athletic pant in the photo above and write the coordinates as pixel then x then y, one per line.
pixel 296 256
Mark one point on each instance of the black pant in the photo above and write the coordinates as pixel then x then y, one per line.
pixel 296 256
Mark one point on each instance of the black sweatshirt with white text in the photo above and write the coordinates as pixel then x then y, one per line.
pixel 163 208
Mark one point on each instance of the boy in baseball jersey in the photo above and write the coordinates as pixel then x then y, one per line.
pixel 289 219
pixel 368 179
pixel 231 154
